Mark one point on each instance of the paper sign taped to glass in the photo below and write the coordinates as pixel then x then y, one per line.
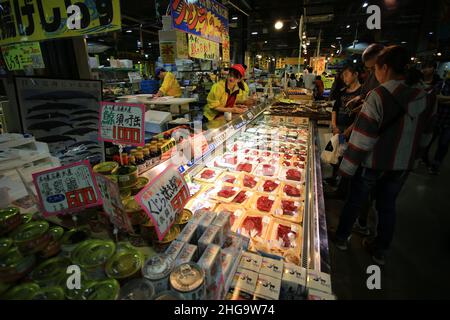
pixel 164 197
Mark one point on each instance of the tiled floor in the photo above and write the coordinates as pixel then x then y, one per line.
pixel 418 264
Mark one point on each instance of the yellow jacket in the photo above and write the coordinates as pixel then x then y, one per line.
pixel 243 94
pixel 217 98
pixel 170 86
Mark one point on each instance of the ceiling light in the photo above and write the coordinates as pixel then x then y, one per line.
pixel 365 4
pixel 279 25
pixel 108 59
pixel 304 37
pixel 337 52
pixel 430 33
pixel 293 27
pixel 348 26
pixel 332 54
pixel 101 40
pixel 129 31
pixel 137 51
pixel 404 42
pixel 355 61
pixel 234 18
pixel 146 56
pixel 338 38
pixel 273 59
pixel 139 62
pixel 439 54
pixel 412 58
pixel 265 41
pixel 333 46
pixel 254 33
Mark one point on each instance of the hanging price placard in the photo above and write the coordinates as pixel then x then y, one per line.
pixel 122 123
pixel 67 189
pixel 164 197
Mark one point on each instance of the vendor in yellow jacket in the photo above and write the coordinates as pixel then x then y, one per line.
pixel 244 95
pixel 170 86
pixel 224 95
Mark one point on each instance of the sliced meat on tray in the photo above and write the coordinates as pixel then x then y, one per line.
pixel 264 204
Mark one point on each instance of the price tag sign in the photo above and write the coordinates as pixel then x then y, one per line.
pixel 164 197
pixel 67 189
pixel 112 203
pixel 122 123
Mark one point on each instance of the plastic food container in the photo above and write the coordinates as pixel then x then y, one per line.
pixel 10 219
pixel 254 224
pixel 125 263
pixel 225 193
pixel 51 272
pixel 5 245
pixel 236 213
pixel 157 269
pixel 127 176
pixel 230 178
pixel 14 266
pixel 263 203
pixel 92 255
pixel 72 238
pixel 137 289
pixel 32 237
pixel 102 290
pixel 24 291
pixel 105 168
pixel 289 209
pixel 134 211
pixel 269 186
pixel 54 247
pixel 50 293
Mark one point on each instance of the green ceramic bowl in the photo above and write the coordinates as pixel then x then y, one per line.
pixel 24 291
pixel 9 220
pixel 102 290
pixel 14 266
pixel 91 254
pixel 50 293
pixel 126 262
pixel 51 272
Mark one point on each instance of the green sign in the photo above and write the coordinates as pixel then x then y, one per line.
pixel 21 55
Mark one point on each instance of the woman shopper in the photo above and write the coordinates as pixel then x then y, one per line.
pixel 388 132
pixel 292 81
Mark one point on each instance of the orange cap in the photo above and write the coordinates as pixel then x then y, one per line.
pixel 239 68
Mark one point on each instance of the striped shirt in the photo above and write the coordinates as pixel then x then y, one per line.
pixel 393 123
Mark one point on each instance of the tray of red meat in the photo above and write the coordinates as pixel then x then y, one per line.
pixel 235 211
pixel 245 167
pixel 242 197
pixel 267 170
pixel 254 225
pixel 300 165
pixel 290 174
pixel 265 203
pixel 249 181
pixel 229 178
pixel 291 191
pixel 287 163
pixel 289 207
pixel 225 193
pixel 288 156
pixel 269 186
pixel 208 175
pixel 286 236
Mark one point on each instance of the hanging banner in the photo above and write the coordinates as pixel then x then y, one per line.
pixel 203 49
pixel 112 203
pixel 22 55
pixel 164 197
pixel 318 64
pixel 122 123
pixel 226 49
pixel 204 18
pixel 25 20
pixel 182 46
pixel 67 189
pixel 168 52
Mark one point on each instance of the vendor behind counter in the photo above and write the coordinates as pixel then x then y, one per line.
pixel 170 86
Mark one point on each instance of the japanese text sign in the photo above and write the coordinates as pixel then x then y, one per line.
pixel 122 123
pixel 112 203
pixel 203 49
pixel 167 50
pixel 204 18
pixel 164 197
pixel 21 55
pixel 25 20
pixel 67 189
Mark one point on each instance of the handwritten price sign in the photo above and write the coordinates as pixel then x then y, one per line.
pixel 203 49
pixel 67 189
pixel 165 196
pixel 122 123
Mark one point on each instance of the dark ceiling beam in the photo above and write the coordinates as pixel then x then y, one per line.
pixel 141 23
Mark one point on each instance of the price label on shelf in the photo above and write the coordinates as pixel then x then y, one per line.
pixel 67 189
pixel 164 197
pixel 122 123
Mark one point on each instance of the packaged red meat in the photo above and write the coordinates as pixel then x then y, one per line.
pixel 236 213
pixel 300 165
pixel 262 203
pixel 245 167
pixel 225 193
pixel 242 197
pixel 289 209
pixel 208 175
pixel 254 224
pixel 269 186
pixel 284 236
pixel 226 161
pixel 249 181
pixel 266 154
pixel 286 163
pixel 230 177
pixel 291 174
pixel 291 190
pixel 267 170
pixel 198 203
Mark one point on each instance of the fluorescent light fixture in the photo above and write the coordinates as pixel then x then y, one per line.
pixel 273 59
pixel 137 51
pixel 234 18
pixel 293 27
pixel 139 62
pixel 365 4
pixel 430 33
pixel 129 31
pixel 279 25
pixel 337 52
pixel 404 42
pixel 254 33
pixel 333 46
pixel 338 38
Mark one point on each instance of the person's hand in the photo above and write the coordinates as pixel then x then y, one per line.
pixel 159 94
pixel 239 110
pixel 336 130
pixel 348 132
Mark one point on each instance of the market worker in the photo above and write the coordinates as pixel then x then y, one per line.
pixel 223 95
pixel 170 86
pixel 244 94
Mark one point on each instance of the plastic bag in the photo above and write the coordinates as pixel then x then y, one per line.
pixel 333 150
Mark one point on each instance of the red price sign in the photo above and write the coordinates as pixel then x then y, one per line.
pixel 67 189
pixel 122 123
pixel 164 197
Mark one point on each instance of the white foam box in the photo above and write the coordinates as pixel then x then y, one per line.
pixel 251 261
pixel 211 263
pixel 272 267
pixel 318 281
pixel 187 254
pixel 319 295
pixel 245 280
pixel 174 249
pixel 156 121
pixel 210 236
pixel 206 220
pixel 223 221
pixel 267 287
pixel 189 233
pixel 293 282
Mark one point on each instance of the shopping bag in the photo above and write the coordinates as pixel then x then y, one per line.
pixel 332 151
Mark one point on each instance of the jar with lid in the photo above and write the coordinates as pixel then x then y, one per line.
pixel 147 158
pixel 140 162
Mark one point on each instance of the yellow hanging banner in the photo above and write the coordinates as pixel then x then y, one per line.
pixel 36 20
pixel 21 55
pixel 203 49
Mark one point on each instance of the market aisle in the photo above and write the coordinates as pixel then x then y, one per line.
pixel 418 263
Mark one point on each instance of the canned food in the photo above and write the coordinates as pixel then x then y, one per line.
pixel 157 269
pixel 14 266
pixel 105 168
pixel 188 279
pixel 137 289
pixel 169 295
pixel 127 176
pixel 183 218
pixel 5 245
pixel 72 238
pixel 51 272
pixel 161 246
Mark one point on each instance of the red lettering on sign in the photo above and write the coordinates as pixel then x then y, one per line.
pixel 81 197
pixel 179 201
pixel 131 135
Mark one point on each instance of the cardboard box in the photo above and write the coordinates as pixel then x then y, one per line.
pixel 188 254
pixel 251 261
pixel 245 280
pixel 272 267
pixel 189 233
pixel 175 248
pixel 210 236
pixel 223 221
pixel 319 281
pixel 293 282
pixel 211 263
pixel 268 287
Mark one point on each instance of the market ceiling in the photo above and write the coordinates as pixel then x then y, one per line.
pixel 339 23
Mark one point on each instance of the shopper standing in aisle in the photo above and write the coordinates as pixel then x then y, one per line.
pixel 170 86
pixel 223 95
pixel 441 123
pixel 319 88
pixel 292 81
pixel 388 133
